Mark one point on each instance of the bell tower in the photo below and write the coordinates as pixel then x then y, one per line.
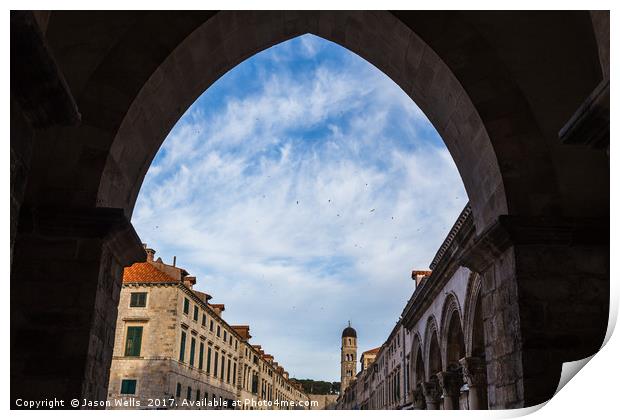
pixel 348 357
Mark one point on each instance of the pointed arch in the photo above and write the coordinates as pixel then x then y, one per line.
pixel 417 362
pixel 473 311
pixel 432 350
pixel 452 337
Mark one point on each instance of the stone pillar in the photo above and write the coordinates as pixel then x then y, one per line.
pixel 40 98
pixel 545 301
pixel 474 374
pixel 418 399
pixel 65 286
pixel 432 394
pixel 450 383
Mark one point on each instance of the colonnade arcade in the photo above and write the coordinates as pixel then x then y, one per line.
pixel 450 371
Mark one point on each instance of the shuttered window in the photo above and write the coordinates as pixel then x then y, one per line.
pixel 128 386
pixel 215 366
pixel 201 354
pixel 133 342
pixel 182 351
pixel 192 351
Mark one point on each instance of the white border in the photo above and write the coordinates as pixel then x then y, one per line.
pixel 591 395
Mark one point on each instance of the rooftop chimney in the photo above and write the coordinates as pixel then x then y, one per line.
pixel 189 281
pixel 218 308
pixel 150 253
pixel 243 331
pixel 419 275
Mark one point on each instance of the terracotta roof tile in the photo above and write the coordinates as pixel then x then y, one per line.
pixel 146 273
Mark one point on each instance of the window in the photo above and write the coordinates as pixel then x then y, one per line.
pixel 209 360
pixel 133 342
pixel 215 366
pixel 186 306
pixel 218 331
pixel 197 395
pixel 196 313
pixel 222 369
pixel 204 320
pixel 224 335
pixel 201 354
pixel 235 373
pixel 211 325
pixel 128 386
pixel 254 384
pixel 228 372
pixel 182 351
pixel 178 390
pixel 189 392
pixel 138 300
pixel 192 351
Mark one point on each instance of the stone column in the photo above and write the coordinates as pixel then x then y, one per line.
pixel 450 383
pixel 40 98
pixel 432 394
pixel 65 286
pixel 418 399
pixel 474 373
pixel 545 301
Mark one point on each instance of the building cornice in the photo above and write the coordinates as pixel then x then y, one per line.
pixel 444 265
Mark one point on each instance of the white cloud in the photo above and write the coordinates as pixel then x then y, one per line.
pixel 297 239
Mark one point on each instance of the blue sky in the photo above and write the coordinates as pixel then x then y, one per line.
pixel 301 189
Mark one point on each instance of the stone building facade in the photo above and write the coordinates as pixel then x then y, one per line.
pixel 437 356
pixel 173 349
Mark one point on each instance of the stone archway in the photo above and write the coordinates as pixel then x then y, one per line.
pixel 474 364
pixel 431 388
pixel 418 374
pixel 494 85
pixel 453 346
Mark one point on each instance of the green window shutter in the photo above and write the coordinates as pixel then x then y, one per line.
pixel 196 313
pixel 189 393
pixel 134 341
pixel 192 351
pixel 209 360
pixel 201 355
pixel 234 373
pixel 128 386
pixel 222 369
pixel 186 306
pixel 178 390
pixel 182 352
pixel 215 367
